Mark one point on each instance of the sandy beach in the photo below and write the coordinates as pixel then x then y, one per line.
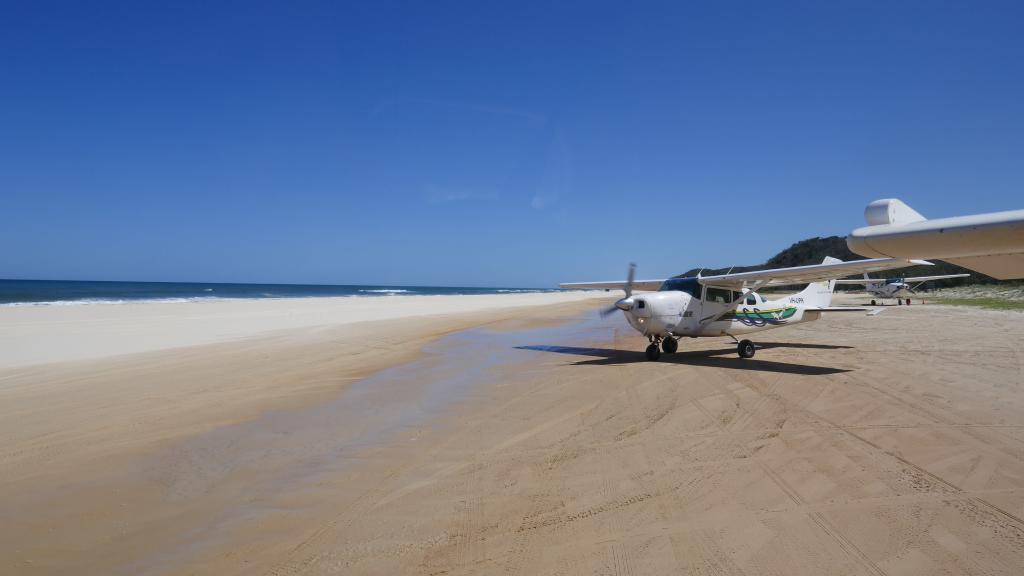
pixel 512 434
pixel 83 332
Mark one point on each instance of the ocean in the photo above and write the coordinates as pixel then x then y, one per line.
pixel 74 292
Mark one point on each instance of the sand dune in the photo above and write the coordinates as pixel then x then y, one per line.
pixel 539 444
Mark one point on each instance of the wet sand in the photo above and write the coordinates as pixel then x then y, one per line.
pixel 539 444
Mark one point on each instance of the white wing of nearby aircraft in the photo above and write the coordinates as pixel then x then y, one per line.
pixel 992 244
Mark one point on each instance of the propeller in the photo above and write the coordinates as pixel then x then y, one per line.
pixel 627 302
pixel 907 287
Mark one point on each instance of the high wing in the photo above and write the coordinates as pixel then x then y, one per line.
pixel 914 279
pixel 805 274
pixel 864 281
pixel 927 278
pixel 642 285
pixel 991 243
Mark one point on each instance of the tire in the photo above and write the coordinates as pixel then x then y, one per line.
pixel 908 301
pixel 899 301
pixel 745 349
pixel 653 352
pixel 669 345
pixel 873 303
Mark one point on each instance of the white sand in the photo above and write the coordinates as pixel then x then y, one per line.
pixel 43 334
pixel 858 444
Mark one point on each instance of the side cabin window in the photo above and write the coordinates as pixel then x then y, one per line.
pixel 751 299
pixel 718 295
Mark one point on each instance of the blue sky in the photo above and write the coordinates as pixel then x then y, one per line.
pixel 485 143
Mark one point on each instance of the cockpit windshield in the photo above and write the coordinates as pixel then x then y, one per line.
pixel 688 285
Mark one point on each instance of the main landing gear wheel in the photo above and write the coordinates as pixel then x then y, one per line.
pixel 670 345
pixel 653 353
pixel 873 303
pixel 908 301
pixel 899 301
pixel 745 349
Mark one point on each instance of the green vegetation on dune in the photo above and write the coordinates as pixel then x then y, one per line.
pixel 810 251
pixel 989 303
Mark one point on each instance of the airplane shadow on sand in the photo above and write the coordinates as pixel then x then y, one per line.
pixel 709 358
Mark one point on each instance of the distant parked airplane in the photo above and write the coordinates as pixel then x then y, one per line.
pixel 898 288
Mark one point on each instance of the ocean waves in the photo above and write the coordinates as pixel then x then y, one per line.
pixel 78 293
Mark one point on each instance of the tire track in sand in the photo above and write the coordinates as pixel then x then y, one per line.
pixel 304 556
pixel 844 543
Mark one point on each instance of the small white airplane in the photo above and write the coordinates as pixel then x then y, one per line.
pixel 728 304
pixel 898 288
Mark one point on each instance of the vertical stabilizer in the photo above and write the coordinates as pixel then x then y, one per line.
pixel 819 294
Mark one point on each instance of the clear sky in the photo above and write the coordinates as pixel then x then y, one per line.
pixel 487 143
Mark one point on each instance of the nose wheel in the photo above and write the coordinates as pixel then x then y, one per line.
pixel 653 352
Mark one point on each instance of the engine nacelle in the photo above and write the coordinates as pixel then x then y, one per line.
pixel 657 313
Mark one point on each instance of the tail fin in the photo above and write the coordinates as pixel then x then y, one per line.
pixel 819 294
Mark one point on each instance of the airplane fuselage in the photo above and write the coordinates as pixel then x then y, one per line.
pixel 889 290
pixel 698 311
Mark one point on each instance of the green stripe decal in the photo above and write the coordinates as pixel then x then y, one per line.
pixel 754 314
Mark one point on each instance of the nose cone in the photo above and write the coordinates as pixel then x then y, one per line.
pixel 625 304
